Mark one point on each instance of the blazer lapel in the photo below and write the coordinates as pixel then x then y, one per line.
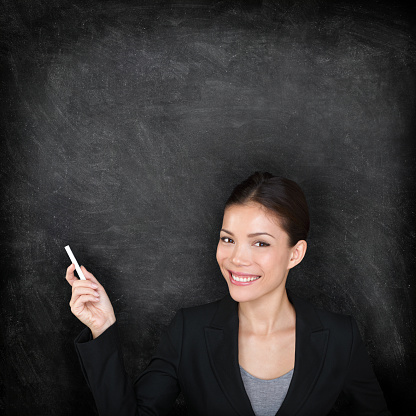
pixel 222 344
pixel 311 343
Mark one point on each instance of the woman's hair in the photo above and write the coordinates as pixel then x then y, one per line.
pixel 280 196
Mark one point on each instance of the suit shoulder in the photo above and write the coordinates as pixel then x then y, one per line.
pixel 201 314
pixel 340 325
pixel 325 318
pixel 334 319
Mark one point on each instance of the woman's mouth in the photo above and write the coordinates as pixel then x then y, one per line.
pixel 242 279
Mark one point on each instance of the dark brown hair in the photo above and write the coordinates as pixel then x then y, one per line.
pixel 280 196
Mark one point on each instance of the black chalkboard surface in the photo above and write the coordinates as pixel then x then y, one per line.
pixel 125 125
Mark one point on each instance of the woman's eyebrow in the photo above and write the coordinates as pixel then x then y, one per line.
pixel 256 234
pixel 248 235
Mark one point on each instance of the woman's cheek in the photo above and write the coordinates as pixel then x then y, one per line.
pixel 218 249
pixel 220 253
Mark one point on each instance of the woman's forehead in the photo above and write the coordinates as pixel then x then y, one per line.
pixel 251 215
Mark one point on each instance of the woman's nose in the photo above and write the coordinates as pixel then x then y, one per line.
pixel 240 256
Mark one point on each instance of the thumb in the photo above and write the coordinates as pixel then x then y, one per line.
pixel 70 276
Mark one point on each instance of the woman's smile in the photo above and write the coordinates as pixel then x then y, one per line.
pixel 242 279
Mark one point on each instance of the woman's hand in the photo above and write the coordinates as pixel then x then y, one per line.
pixel 90 302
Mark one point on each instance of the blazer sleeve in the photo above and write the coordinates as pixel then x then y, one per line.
pixel 154 391
pixel 361 385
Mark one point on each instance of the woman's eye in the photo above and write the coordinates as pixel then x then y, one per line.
pixel 226 239
pixel 261 244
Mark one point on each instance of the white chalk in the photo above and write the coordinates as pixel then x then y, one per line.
pixel 74 261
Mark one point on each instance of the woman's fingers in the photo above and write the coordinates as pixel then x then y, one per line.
pixel 78 305
pixel 78 291
pixel 83 287
pixel 81 299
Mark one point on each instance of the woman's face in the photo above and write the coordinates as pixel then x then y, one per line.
pixel 254 253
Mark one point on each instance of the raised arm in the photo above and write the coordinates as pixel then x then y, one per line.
pixel 99 351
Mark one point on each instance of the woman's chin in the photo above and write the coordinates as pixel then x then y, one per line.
pixel 241 294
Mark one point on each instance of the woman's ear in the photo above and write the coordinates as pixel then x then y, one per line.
pixel 298 253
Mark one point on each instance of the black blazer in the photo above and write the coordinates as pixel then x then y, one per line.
pixel 198 355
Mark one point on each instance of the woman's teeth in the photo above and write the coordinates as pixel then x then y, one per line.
pixel 245 279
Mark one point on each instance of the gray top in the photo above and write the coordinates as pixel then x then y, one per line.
pixel 266 396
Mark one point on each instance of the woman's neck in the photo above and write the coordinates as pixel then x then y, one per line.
pixel 267 315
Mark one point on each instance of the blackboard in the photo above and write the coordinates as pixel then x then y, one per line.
pixel 125 125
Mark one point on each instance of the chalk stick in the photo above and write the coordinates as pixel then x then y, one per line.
pixel 74 261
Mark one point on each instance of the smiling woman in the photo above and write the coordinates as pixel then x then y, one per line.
pixel 260 351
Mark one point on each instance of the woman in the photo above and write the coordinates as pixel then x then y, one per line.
pixel 259 351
